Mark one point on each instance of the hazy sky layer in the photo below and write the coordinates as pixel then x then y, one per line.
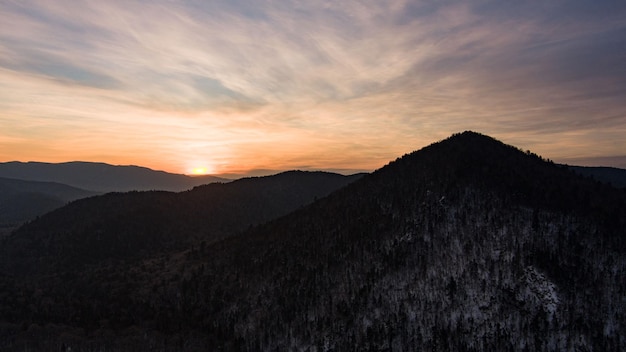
pixel 234 86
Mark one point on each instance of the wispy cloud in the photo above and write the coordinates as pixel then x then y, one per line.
pixel 261 84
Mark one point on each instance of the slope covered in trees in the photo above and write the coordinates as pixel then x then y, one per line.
pixel 21 200
pixel 465 245
pixel 134 225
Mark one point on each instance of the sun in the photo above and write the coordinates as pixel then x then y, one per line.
pixel 200 168
pixel 199 171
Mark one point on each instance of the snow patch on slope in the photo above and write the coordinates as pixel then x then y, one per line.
pixel 539 290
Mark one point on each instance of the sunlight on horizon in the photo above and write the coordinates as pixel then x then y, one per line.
pixel 235 86
pixel 202 170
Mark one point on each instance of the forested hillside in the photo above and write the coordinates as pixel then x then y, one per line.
pixel 465 245
pixel 134 225
pixel 21 200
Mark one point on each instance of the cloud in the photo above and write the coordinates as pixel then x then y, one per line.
pixel 348 84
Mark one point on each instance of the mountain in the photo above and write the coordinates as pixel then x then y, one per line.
pixel 24 200
pixel 611 175
pixel 465 245
pixel 134 225
pixel 101 177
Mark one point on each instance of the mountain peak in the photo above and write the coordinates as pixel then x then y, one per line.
pixel 477 146
pixel 467 244
pixel 470 160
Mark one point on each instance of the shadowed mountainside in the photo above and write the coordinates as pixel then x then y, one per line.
pixel 24 200
pixel 611 175
pixel 466 245
pixel 127 226
pixel 101 177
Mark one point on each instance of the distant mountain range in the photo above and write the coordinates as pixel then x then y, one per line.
pixel 465 245
pixel 85 178
pixel 30 189
pixel 101 177
pixel 611 175
pixel 21 200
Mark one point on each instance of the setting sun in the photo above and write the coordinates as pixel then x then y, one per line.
pixel 199 168
pixel 199 171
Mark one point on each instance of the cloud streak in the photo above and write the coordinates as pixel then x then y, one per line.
pixel 243 85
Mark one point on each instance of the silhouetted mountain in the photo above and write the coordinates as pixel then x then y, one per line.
pixel 102 177
pixel 465 245
pixel 610 175
pixel 128 226
pixel 24 200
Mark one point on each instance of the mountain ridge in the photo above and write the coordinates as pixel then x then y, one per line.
pixel 610 175
pixel 548 271
pixel 102 177
pixel 22 200
pixel 125 225
pixel 467 244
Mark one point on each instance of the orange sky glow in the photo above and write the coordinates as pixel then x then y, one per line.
pixel 251 86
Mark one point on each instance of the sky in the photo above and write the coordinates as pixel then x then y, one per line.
pixel 251 87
